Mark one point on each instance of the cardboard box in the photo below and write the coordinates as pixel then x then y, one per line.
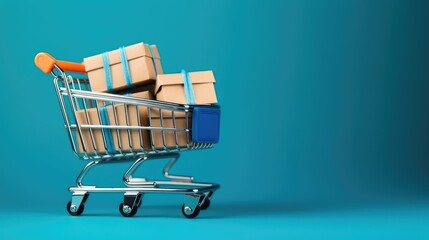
pixel 149 87
pixel 186 88
pixel 115 140
pixel 108 73
pixel 142 93
pixel 171 138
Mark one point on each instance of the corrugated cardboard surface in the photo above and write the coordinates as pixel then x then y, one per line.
pixel 170 139
pixel 143 93
pixel 140 64
pixel 138 89
pixel 139 139
pixel 169 87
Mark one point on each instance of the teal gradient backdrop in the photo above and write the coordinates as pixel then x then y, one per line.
pixel 322 101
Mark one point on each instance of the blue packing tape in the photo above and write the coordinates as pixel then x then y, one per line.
pixel 153 59
pixel 189 90
pixel 125 67
pixel 106 67
pixel 107 132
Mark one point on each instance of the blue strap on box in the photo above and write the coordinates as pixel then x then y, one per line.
pixel 107 132
pixel 125 67
pixel 106 67
pixel 189 89
pixel 152 56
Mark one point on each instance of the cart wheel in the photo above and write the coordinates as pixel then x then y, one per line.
pixel 79 210
pixel 192 215
pixel 206 204
pixel 125 213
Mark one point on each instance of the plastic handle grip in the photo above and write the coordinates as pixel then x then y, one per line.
pixel 46 63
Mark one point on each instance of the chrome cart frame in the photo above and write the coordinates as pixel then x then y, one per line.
pixel 74 95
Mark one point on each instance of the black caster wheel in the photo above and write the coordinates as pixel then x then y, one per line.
pixel 127 212
pixel 186 209
pixel 206 204
pixel 79 210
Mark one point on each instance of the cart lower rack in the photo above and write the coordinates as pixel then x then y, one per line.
pixel 107 128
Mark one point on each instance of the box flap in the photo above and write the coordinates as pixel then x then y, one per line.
pixel 133 51
pixel 176 78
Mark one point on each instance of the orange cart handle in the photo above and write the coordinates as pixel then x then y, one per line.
pixel 46 63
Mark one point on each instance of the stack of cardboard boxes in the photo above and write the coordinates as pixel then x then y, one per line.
pixel 137 69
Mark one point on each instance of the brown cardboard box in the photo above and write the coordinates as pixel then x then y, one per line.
pixel 143 92
pixel 170 136
pixel 140 65
pixel 170 87
pixel 143 88
pixel 139 139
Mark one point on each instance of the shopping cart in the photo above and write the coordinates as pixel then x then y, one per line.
pixel 90 139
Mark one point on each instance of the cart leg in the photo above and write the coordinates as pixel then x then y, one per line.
pixel 133 182
pixel 84 172
pixel 179 178
pixel 132 201
pixel 205 203
pixel 136 182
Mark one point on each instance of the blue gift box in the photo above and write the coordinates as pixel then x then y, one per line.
pixel 205 124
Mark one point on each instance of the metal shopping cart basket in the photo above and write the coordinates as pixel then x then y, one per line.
pixel 170 129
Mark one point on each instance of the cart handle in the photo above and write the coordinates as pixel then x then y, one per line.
pixel 46 63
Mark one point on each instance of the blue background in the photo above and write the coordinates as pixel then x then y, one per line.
pixel 324 117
